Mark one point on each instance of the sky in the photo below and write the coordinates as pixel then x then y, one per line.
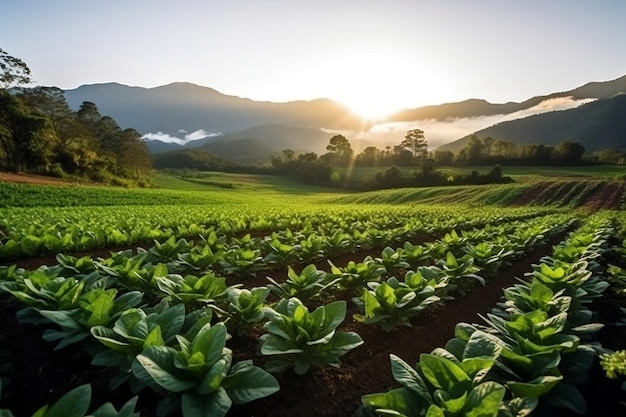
pixel 375 56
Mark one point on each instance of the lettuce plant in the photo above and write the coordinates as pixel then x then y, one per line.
pixel 136 330
pixel 357 274
pixel 311 282
pixel 392 303
pixel 245 308
pixel 198 377
pixel 75 403
pixel 97 307
pixel 440 386
pixel 191 289
pixel 299 339
pixel 392 261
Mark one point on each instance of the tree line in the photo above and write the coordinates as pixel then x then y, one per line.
pixel 39 133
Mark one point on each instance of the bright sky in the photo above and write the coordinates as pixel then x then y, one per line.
pixel 375 56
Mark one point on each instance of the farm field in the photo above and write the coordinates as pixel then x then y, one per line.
pixel 240 295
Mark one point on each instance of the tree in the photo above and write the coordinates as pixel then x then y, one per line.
pixel 13 71
pixel 340 149
pixel 443 157
pixel 415 142
pixel 368 157
pixel 570 152
pixel 27 139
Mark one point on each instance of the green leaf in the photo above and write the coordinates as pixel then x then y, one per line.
pixel 157 364
pixel 127 410
pixel 215 405
pixel 210 341
pixel 73 404
pixel 245 383
pixel 485 399
pixel 213 379
pixel 397 402
pixel 441 372
pixel 434 411
pixel 154 338
pixel 409 377
pixel 99 309
pixel 482 344
pixel 534 388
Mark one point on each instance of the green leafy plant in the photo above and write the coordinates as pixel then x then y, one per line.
pixel 136 330
pixel 461 271
pixel 242 261
pixel 394 303
pixel 199 377
pixel 75 403
pixel 298 339
pixel 245 308
pixel 355 275
pixel 192 290
pixel 440 385
pixel 97 307
pixel 311 282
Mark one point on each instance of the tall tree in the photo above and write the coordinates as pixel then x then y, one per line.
pixel 415 142
pixel 340 149
pixel 13 71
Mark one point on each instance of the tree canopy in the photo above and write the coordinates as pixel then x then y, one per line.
pixel 39 133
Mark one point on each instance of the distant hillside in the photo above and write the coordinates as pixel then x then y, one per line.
pixel 476 107
pixel 185 110
pixel 597 125
pixel 187 107
pixel 254 145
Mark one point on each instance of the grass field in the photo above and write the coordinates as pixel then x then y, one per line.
pixel 518 173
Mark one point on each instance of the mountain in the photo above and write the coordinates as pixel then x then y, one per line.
pixel 188 111
pixel 180 108
pixel 254 145
pixel 600 124
pixel 477 108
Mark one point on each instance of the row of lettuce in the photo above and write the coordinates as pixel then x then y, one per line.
pixel 531 351
pixel 28 232
pixel 166 328
pixel 163 321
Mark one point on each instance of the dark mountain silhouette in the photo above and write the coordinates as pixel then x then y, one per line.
pixel 476 107
pixel 254 145
pixel 187 107
pixel 597 125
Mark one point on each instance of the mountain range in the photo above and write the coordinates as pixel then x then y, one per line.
pixel 183 115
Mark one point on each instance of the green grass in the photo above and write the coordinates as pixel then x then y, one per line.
pixel 207 189
pixel 518 173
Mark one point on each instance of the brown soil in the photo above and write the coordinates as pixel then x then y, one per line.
pixel 34 179
pixel 606 196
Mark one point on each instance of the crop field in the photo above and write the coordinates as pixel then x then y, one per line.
pixel 233 295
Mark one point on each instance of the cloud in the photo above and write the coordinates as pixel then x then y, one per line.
pixel 188 137
pixel 440 132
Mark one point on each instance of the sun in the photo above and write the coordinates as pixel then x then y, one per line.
pixel 372 107
pixel 375 84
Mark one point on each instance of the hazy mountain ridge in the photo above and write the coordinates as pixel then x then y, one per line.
pixel 600 124
pixel 186 109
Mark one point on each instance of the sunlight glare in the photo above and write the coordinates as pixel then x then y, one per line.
pixel 373 84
